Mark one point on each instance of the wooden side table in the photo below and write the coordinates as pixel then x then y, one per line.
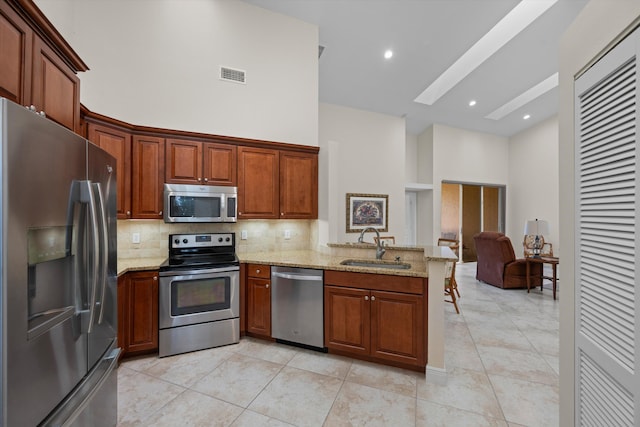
pixel 554 261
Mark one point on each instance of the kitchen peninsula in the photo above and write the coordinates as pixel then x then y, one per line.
pixel 418 334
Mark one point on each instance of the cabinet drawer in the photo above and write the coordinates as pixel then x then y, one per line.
pixel 259 270
pixel 377 282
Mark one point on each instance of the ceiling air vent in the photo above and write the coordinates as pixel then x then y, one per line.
pixel 232 75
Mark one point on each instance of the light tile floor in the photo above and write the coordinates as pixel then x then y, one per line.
pixel 501 360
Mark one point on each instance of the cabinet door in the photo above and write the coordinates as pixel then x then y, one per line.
pixel 55 87
pixel 258 183
pixel 219 164
pixel 123 319
pixel 184 162
pixel 147 177
pixel 397 331
pixel 347 319
pixel 143 311
pixel 117 143
pixel 298 185
pixel 16 40
pixel 259 306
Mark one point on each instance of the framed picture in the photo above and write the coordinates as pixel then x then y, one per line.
pixel 367 210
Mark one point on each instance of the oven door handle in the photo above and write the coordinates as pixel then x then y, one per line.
pixel 171 273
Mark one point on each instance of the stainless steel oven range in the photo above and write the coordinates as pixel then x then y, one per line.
pixel 199 302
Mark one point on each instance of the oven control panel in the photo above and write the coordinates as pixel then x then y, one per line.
pixel 205 240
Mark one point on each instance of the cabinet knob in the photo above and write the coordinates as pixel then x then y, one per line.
pixel 128 213
pixel 373 298
pixel 160 213
pixel 366 297
pixel 257 271
pixel 199 179
pixel 206 180
pixel 281 213
pixel 155 277
pixel 267 286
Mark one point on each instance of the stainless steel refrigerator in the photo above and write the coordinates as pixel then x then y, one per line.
pixel 58 347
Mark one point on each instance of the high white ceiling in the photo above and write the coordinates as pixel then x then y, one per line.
pixel 427 37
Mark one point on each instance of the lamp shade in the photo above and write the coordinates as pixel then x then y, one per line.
pixel 536 227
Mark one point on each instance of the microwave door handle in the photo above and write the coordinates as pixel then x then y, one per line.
pixel 86 193
pixel 223 204
pixel 104 248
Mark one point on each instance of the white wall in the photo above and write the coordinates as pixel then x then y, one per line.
pixel 532 190
pixel 364 153
pixel 411 158
pixel 157 64
pixel 466 156
pixel 593 32
pixel 424 175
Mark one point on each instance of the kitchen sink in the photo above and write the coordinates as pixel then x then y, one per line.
pixel 376 264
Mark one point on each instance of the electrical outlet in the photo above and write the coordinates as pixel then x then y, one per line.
pixel 135 237
pixel 287 234
pixel 243 235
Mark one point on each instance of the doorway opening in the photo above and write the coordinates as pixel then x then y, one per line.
pixel 469 208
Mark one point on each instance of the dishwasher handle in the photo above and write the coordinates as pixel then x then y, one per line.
pixel 293 276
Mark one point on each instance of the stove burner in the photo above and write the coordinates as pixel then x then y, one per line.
pixel 201 251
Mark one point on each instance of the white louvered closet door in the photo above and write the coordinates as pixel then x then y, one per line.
pixel 607 388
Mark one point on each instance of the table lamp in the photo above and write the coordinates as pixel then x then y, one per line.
pixel 536 228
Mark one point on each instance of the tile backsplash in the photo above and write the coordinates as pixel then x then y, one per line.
pixel 262 235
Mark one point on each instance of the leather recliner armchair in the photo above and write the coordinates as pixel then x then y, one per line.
pixel 498 265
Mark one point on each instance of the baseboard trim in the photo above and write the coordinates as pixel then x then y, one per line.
pixel 436 375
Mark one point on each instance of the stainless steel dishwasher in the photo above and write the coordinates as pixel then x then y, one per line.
pixel 297 309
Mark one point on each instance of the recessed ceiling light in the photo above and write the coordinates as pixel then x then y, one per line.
pixel 525 97
pixel 527 116
pixel 388 54
pixel 506 29
pixel 472 103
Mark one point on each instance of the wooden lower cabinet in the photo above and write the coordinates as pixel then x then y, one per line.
pixel 347 324
pixel 259 300
pixel 375 324
pixel 138 312
pixel 397 331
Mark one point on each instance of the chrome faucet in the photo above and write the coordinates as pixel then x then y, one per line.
pixel 380 250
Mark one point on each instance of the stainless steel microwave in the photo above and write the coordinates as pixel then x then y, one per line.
pixel 200 203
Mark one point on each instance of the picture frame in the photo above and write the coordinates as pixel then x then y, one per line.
pixel 367 210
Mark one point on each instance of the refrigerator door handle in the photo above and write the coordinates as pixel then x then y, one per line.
pixel 104 249
pixel 75 197
pixel 86 196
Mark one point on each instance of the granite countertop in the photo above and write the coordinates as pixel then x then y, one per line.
pixel 318 260
pixel 138 264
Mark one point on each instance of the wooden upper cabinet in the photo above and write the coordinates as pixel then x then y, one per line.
pixel 258 183
pixel 184 161
pixel 298 185
pixel 16 39
pixel 200 163
pixel 219 164
pixel 55 88
pixel 117 143
pixel 37 66
pixel 147 177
